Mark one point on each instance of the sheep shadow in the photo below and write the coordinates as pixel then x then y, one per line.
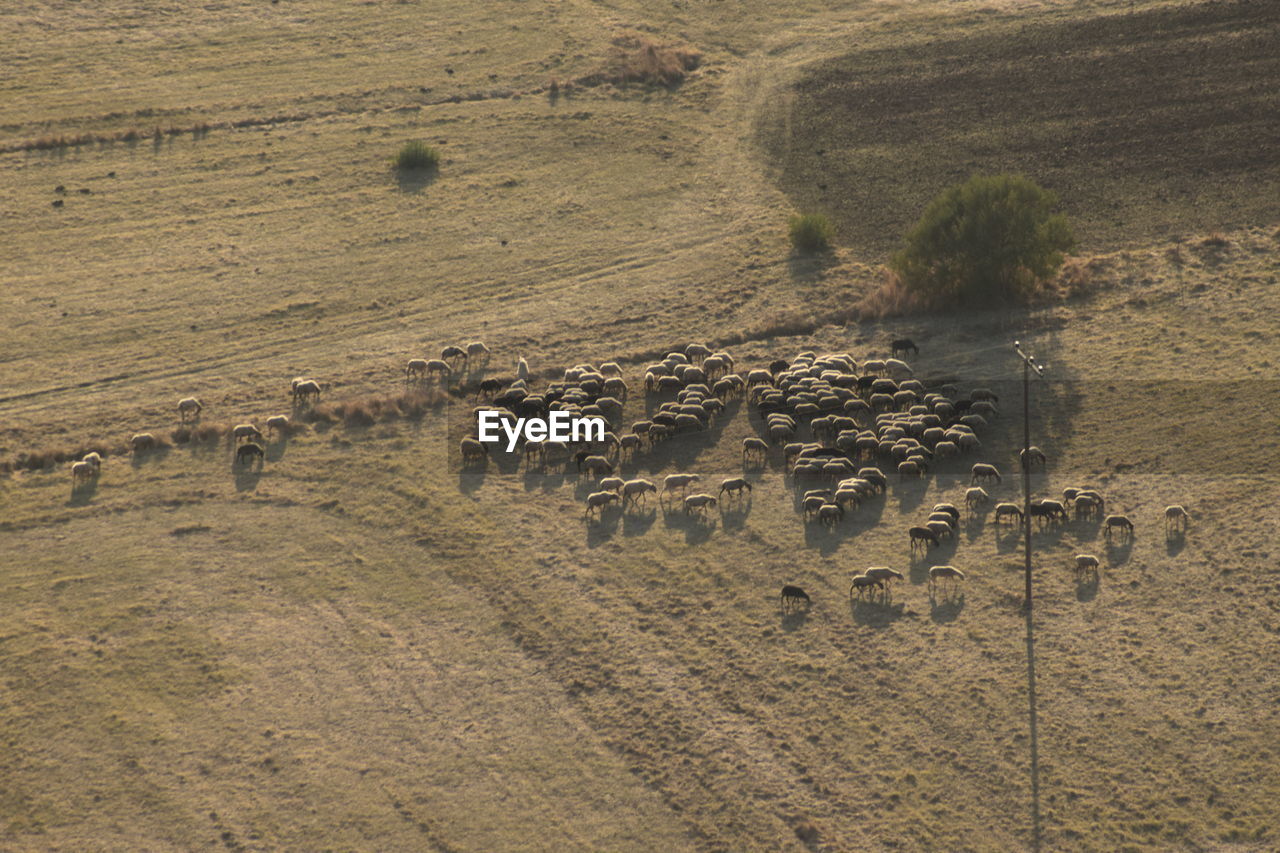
pixel 876 613
pixel 910 494
pixel 734 516
pixel 82 493
pixel 1174 542
pixel 138 458
pixel 535 478
pixel 1118 553
pixel 920 563
pixel 506 463
pixel 471 478
pixel 945 609
pixel 275 450
pixel 826 540
pixel 603 527
pixel 794 618
pixel 246 476
pixel 1008 539
pixel 974 526
pixel 1087 587
pixel 697 528
pixel 638 521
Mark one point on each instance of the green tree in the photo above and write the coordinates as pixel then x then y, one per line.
pixel 990 239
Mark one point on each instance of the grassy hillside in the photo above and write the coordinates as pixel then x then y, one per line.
pixel 361 647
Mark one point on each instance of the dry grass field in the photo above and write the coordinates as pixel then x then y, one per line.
pixel 362 647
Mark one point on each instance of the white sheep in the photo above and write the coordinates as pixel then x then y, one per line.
pixel 82 472
pixel 278 424
pixel 678 481
pixel 416 368
pixel 1086 563
pixel 142 441
pixel 189 407
pixel 522 368
pixel 93 458
pixel 243 431
pixel 976 497
pixel 699 503
pixel 597 501
pixel 477 351
pixel 983 471
pixel 940 574
pixel 1176 517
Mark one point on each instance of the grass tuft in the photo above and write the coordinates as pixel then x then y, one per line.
pixel 810 232
pixel 416 155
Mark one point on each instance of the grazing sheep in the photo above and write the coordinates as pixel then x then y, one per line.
pixel 1087 507
pixel 189 407
pixel 633 490
pixel 696 352
pixel 1003 509
pixel 246 431
pixel 1086 564
pixel 903 346
pixel 939 574
pixel 984 472
pixel 415 369
pixel 734 486
pixel 923 536
pixel 93 458
pixel 247 454
pixel 976 497
pixel 307 389
pixel 1048 509
pixel 473 450
pixel 598 500
pixel 453 355
pixel 478 352
pixel 949 509
pixel 142 441
pixel 699 503
pixel 792 597
pixel 1032 457
pixel 611 484
pixel 678 481
pixel 830 514
pixel 1176 518
pixel 278 425
pixel 1121 522
pixel 754 447
pixel 941 527
pixel 628 444
pixel 82 472
pixel 884 574
pixel 897 366
pixel 907 468
pixel 596 466
pixel 862 583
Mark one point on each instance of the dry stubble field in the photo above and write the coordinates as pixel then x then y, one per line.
pixel 363 648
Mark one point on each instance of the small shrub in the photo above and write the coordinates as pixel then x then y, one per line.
pixel 811 232
pixel 417 155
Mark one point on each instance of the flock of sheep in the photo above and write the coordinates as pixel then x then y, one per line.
pixel 862 420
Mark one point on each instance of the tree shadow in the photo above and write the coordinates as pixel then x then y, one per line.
pixel 415 180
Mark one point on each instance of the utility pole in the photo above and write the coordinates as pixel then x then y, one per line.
pixel 1028 364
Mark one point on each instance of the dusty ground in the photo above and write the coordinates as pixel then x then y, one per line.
pixel 362 648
